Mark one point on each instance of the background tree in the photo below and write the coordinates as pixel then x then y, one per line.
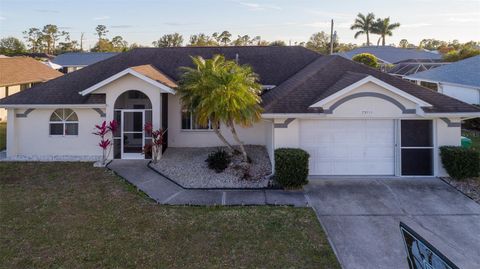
pixel 202 40
pixel 277 43
pixel 364 24
pixel 223 37
pixel 431 44
pixel 119 44
pixel 384 28
pixel 319 42
pixel 103 45
pixel 101 31
pixel 366 59
pixel 33 37
pixel 11 46
pixel 50 35
pixel 221 92
pixel 403 43
pixel 463 53
pixel 170 40
pixel 242 41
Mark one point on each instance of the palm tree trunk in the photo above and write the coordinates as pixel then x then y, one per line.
pixel 240 144
pixel 383 40
pixel 368 39
pixel 216 129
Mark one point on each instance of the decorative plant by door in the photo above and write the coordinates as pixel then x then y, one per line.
pixel 155 147
pixel 105 132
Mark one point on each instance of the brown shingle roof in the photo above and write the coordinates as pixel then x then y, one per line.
pixel 273 64
pixel 21 70
pixel 153 73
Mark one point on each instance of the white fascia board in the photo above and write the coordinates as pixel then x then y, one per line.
pixel 123 73
pixel 374 80
pixel 54 106
pixel 293 115
pixel 451 115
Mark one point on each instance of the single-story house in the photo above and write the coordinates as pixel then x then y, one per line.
pixel 460 79
pixel 352 119
pixel 20 73
pixel 392 55
pixel 72 61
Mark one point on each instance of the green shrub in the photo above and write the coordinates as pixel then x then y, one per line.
pixel 291 167
pixel 366 59
pixel 218 160
pixel 459 162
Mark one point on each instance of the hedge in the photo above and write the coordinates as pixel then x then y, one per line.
pixel 460 162
pixel 291 167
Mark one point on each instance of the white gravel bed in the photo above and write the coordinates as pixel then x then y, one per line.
pixel 187 166
pixel 470 187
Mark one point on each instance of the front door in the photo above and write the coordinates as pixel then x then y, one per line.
pixel 133 135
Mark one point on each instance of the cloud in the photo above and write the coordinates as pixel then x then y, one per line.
pixel 2 18
pixel 101 18
pixel 123 26
pixel 415 25
pixel 47 11
pixel 258 7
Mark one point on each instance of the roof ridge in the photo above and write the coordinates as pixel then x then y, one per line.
pixel 310 74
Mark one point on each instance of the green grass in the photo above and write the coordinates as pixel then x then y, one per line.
pixel 3 135
pixel 71 215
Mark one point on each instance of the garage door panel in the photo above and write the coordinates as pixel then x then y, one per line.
pixel 349 147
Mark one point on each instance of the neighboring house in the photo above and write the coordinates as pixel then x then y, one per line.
pixel 460 79
pixel 413 66
pixel 352 119
pixel 392 55
pixel 73 61
pixel 20 73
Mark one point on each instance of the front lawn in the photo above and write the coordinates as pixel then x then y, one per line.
pixel 3 135
pixel 72 215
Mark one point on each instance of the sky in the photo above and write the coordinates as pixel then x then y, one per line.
pixel 143 21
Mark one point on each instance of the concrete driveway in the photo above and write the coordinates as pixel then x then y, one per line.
pixel 361 218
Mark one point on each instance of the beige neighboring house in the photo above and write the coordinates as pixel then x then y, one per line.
pixel 20 73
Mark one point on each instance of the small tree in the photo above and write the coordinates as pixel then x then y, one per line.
pixel 105 132
pixel 221 91
pixel 155 147
pixel 366 59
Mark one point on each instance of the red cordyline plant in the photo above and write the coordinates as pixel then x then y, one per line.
pixel 155 147
pixel 103 132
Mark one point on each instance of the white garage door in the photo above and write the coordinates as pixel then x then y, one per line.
pixel 349 147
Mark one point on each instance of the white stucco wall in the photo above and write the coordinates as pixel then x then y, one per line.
pixel 466 94
pixel 29 137
pixel 445 136
pixel 129 82
pixel 269 140
pixel 177 137
pixel 370 107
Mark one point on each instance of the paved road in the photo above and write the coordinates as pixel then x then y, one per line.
pixel 361 218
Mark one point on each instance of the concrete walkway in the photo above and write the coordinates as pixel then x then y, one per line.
pixel 166 192
pixel 361 218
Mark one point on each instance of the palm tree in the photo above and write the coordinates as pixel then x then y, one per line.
pixel 221 91
pixel 383 28
pixel 364 24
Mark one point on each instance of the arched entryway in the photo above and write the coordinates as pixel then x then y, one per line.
pixel 132 110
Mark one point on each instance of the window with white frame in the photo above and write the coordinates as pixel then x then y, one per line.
pixel 189 122
pixel 64 122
